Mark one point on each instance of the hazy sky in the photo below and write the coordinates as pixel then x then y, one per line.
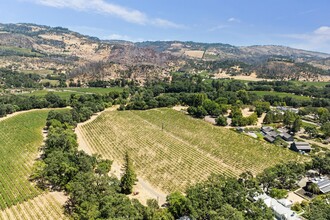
pixel 297 23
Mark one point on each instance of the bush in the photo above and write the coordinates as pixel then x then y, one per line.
pixel 221 120
pixel 278 193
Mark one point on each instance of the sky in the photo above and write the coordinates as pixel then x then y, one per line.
pixel 303 24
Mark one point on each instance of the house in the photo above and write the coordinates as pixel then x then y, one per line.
pixel 280 211
pixel 287 203
pixel 287 137
pixel 285 108
pixel 301 147
pixel 270 139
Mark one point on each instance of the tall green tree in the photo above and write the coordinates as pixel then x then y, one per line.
pixel 129 178
pixel 296 125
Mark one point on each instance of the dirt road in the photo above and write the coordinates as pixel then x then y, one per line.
pixel 145 190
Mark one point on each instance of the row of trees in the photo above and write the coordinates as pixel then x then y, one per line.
pixel 290 119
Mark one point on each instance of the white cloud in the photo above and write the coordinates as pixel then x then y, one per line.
pixel 234 20
pixel 122 37
pixel 103 7
pixel 218 27
pixel 318 40
pixel 165 23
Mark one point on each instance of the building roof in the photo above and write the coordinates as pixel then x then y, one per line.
pixel 302 145
pixel 273 134
pixel 278 208
pixel 267 129
pixel 282 130
pixel 286 135
pixel 324 185
pixel 285 202
pixel 269 138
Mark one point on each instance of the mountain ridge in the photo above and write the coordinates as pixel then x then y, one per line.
pixel 32 47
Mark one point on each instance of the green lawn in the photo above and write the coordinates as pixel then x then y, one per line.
pixel 62 94
pixel 280 94
pixel 52 82
pixel 66 92
pixel 39 72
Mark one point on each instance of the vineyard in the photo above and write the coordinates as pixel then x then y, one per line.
pixel 20 139
pixel 172 150
pixel 44 206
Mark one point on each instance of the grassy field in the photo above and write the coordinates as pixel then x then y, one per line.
pixel 50 81
pixel 317 84
pixel 281 94
pixel 172 150
pixel 63 94
pixel 19 51
pixel 66 92
pixel 40 72
pixel 96 90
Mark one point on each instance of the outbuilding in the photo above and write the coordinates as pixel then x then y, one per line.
pixel 287 137
pixel 301 147
pixel 270 139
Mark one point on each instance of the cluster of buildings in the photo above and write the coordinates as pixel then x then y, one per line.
pixel 270 135
pixel 281 208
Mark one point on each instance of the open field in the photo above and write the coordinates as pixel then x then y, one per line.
pixel 96 90
pixel 61 93
pixel 281 94
pixel 194 53
pixel 8 50
pixel 317 84
pixel 40 72
pixel 66 92
pixel 50 81
pixel 171 150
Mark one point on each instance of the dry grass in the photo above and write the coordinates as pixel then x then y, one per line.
pixel 195 53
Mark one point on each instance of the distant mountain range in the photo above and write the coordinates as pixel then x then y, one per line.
pixel 53 50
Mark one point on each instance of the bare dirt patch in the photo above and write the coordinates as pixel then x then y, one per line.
pixel 251 77
pixel 246 112
pixel 194 53
pixel 293 197
pixel 143 189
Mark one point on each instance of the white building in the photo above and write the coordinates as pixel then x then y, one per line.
pixel 281 211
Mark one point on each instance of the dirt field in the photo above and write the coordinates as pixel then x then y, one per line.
pixel 194 53
pixel 252 77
